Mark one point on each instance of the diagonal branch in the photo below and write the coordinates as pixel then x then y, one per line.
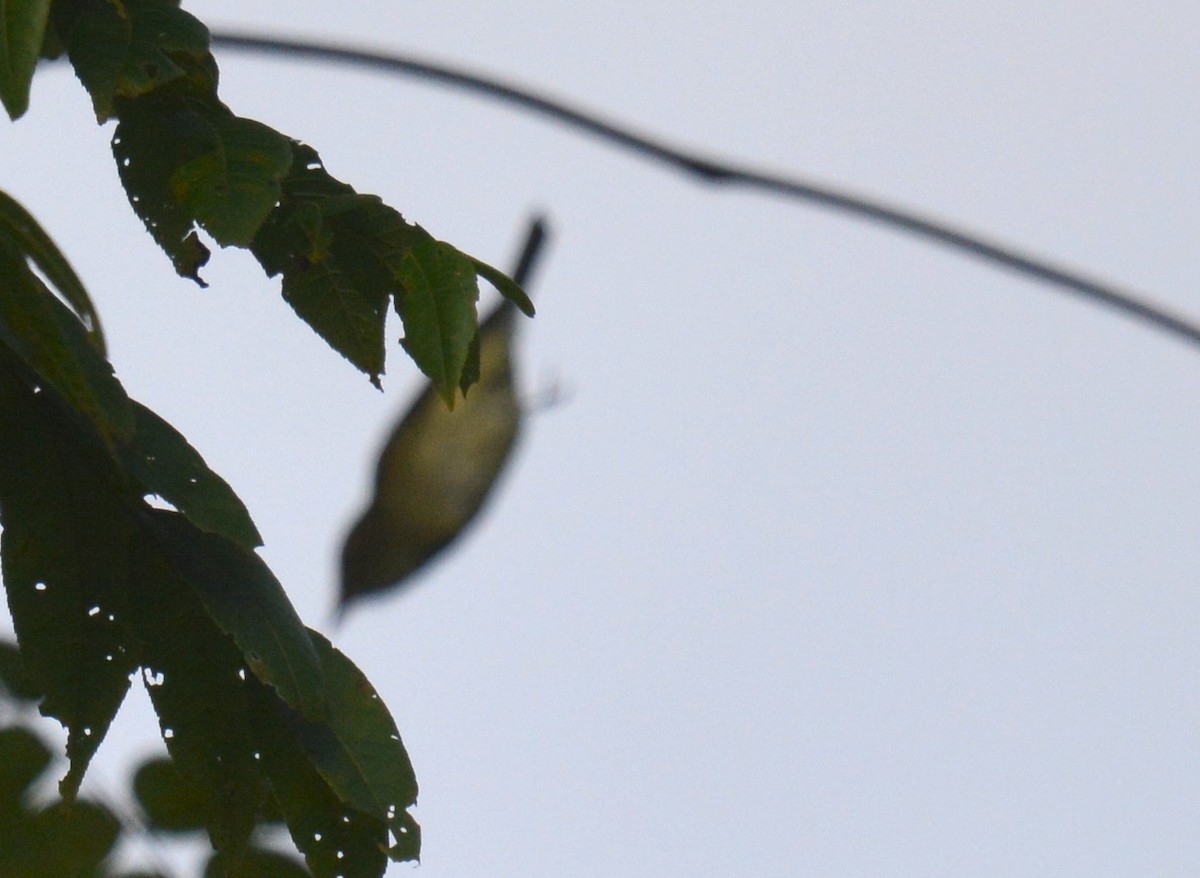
pixel 716 171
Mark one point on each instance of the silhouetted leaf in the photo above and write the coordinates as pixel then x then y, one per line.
pixel 337 840
pixel 152 141
pixel 170 803
pixel 255 863
pixel 23 758
pixel 198 684
pixel 338 252
pixel 246 602
pixel 72 838
pixel 359 752
pixel 161 459
pixel 22 29
pixel 63 550
pixel 28 238
pixel 51 341
pixel 130 49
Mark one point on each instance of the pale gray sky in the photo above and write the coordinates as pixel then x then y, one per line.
pixel 845 556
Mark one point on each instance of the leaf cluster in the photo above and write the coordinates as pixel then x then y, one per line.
pixel 258 712
pixel 188 163
pixel 262 717
pixel 79 838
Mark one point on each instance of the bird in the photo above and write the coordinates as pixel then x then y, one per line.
pixel 438 467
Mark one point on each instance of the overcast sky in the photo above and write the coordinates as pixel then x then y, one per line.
pixel 844 555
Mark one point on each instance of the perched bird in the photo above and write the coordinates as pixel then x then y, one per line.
pixel 439 465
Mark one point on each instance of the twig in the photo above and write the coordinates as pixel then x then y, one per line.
pixel 730 173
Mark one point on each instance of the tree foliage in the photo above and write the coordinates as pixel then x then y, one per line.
pixel 263 718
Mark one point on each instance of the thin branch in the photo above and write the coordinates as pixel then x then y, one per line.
pixel 731 173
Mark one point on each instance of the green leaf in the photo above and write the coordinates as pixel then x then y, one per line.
pixel 244 599
pixel 22 30
pixel 185 161
pixel 52 342
pixel 506 286
pixel 438 310
pixel 337 840
pixel 23 758
pixel 200 688
pixel 161 459
pixel 170 803
pixel 73 838
pixel 152 141
pixel 232 188
pixel 339 253
pixel 359 752
pixel 63 552
pixel 255 863
pixel 229 735
pixel 24 234
pixel 132 48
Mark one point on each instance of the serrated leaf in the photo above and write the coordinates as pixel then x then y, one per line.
pixel 27 237
pixel 231 189
pixel 337 840
pixel 132 48
pixel 339 253
pixel 22 30
pixel 438 310
pixel 161 459
pixel 152 142
pixel 50 340
pixel 350 320
pixel 359 752
pixel 63 552
pixel 245 601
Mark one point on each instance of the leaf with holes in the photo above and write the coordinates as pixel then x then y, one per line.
pixel 132 48
pixel 232 188
pixel 245 601
pixel 152 141
pixel 197 680
pixel 22 29
pixel 161 459
pixel 359 752
pixel 63 552
pixel 337 839
pixel 53 344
